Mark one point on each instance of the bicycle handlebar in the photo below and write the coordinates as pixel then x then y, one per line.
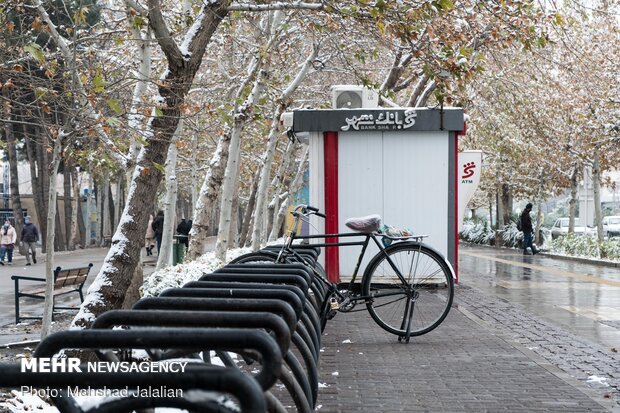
pixel 308 210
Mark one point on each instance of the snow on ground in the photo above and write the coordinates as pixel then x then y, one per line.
pixel 180 274
pixel 598 380
pixel 26 402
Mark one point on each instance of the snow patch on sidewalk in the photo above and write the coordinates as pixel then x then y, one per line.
pixel 597 380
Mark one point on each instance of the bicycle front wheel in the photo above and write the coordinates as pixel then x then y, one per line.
pixel 409 289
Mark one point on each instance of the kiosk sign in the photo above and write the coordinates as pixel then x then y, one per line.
pixel 385 120
pixel 469 171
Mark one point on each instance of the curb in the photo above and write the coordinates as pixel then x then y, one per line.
pixel 582 260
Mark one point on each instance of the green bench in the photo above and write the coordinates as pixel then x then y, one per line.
pixel 66 281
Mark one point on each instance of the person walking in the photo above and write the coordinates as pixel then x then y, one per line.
pixel 149 238
pixel 528 231
pixel 30 237
pixel 158 228
pixel 8 237
pixel 184 228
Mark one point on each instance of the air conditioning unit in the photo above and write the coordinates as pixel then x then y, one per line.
pixel 354 97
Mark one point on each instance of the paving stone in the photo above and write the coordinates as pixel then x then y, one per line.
pixel 462 366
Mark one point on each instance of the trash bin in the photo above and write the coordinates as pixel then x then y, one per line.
pixel 178 249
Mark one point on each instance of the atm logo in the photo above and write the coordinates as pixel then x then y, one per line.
pixel 468 172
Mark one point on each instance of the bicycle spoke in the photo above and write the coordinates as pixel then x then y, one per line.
pixel 426 285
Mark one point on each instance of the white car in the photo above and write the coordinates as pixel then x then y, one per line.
pixel 611 226
pixel 560 228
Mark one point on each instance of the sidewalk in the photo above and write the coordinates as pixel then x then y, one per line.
pixel 465 365
pixel 66 259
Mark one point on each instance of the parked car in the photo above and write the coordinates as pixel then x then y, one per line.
pixel 611 226
pixel 560 228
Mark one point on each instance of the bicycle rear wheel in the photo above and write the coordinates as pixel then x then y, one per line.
pixel 420 301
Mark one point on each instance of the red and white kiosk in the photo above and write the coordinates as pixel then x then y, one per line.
pixel 400 163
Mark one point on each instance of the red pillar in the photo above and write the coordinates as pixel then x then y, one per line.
pixel 330 159
pixel 457 174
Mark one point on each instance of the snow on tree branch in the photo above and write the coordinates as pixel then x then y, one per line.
pixel 297 5
pixel 301 74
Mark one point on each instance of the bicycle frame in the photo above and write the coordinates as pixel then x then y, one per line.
pixel 287 247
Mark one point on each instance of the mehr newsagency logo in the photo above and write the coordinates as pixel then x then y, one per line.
pixel 74 365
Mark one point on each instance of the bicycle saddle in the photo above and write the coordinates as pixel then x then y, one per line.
pixel 369 223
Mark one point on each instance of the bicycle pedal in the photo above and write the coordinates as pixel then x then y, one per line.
pixel 333 303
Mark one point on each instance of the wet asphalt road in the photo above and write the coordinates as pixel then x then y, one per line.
pixel 581 298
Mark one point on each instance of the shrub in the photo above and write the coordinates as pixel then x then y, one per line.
pixel 586 246
pixel 477 231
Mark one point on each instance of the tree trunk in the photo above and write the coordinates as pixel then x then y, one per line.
pixel 135 118
pixel 278 184
pixel 258 230
pixel 293 188
pixel 500 207
pixel 51 221
pixel 194 174
pixel 417 90
pixel 81 225
pixel 572 204
pixel 74 230
pixel 423 99
pixel 539 223
pixel 232 167
pixel 596 185
pixel 36 183
pixel 165 254
pixel 46 182
pixel 204 208
pixel 16 203
pixel 271 214
pixel 68 202
pixel 233 231
pixel 119 266
pixel 99 201
pixel 89 198
pixel 133 292
pixel 111 207
pixel 265 177
pixel 106 231
pixel 506 207
pixel 118 199
pixel 228 187
pixel 59 237
pixel 247 218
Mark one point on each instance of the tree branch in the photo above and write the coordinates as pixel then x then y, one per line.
pixel 297 5
pixel 137 7
pixel 301 74
pixel 77 81
pixel 162 35
pixel 207 21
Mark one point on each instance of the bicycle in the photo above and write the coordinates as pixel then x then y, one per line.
pixel 408 286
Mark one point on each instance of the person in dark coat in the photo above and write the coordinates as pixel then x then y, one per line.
pixel 30 237
pixel 158 228
pixel 184 228
pixel 528 231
